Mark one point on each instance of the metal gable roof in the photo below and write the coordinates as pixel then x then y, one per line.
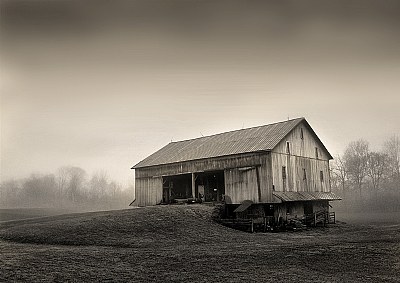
pixel 261 138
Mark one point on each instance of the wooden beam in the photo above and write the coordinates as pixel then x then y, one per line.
pixel 193 185
pixel 258 184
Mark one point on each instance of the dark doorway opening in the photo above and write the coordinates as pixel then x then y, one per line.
pixel 308 208
pixel 210 186
pixel 178 187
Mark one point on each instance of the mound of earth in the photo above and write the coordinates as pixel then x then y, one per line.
pixel 125 228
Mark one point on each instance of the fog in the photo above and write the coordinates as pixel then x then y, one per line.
pixel 101 85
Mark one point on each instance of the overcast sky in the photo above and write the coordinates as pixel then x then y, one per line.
pixel 103 84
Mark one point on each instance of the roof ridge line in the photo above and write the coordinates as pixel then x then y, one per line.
pixel 299 118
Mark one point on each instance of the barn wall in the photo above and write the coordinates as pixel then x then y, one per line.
pixel 289 210
pixel 301 156
pixel 148 191
pixel 295 181
pixel 240 183
pixel 253 183
pixel 209 164
pixel 302 147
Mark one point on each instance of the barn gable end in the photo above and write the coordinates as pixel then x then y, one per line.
pixel 300 162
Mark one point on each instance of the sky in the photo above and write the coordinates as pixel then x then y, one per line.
pixel 103 84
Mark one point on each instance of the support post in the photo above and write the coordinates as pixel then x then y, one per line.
pixel 258 184
pixel 193 186
pixel 265 224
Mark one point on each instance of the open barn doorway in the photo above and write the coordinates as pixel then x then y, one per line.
pixel 177 188
pixel 210 186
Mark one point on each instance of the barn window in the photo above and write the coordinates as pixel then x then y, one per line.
pixel 316 152
pixel 301 133
pixel 288 147
pixel 304 174
pixel 321 176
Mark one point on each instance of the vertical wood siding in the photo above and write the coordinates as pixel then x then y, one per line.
pixel 241 185
pixel 208 164
pixel 302 157
pixel 148 191
pixel 295 181
pixel 252 183
pixel 302 147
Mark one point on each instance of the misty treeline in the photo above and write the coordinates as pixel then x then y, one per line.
pixel 69 187
pixel 366 179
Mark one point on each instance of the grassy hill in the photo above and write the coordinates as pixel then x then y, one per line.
pixel 139 227
pixel 182 243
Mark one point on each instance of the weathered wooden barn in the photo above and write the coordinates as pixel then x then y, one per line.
pixel 282 166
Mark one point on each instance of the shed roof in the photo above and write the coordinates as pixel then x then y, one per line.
pixel 243 206
pixel 255 139
pixel 303 196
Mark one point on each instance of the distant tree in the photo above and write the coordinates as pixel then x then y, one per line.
pixel 392 149
pixel 76 177
pixel 114 189
pixel 98 185
pixel 68 187
pixel 356 160
pixel 377 162
pixel 39 190
pixel 340 174
pixel 9 193
pixel 62 178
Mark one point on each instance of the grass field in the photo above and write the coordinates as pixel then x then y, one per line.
pixel 182 243
pixel 25 213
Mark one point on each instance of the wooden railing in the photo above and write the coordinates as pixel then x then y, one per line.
pixel 320 217
pixel 332 218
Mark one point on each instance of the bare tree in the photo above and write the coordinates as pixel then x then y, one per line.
pixel 392 149
pixel 98 185
pixel 62 177
pixel 377 162
pixel 9 192
pixel 76 178
pixel 339 170
pixel 115 189
pixel 356 160
pixel 39 191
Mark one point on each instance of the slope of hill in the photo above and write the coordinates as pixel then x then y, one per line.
pixel 124 228
pixel 182 243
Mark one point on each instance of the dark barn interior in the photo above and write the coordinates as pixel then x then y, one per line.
pixel 208 187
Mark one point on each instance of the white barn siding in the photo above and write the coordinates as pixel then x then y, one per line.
pixel 302 156
pixel 148 191
pixel 241 184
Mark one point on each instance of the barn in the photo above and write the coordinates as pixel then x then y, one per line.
pixel 280 169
